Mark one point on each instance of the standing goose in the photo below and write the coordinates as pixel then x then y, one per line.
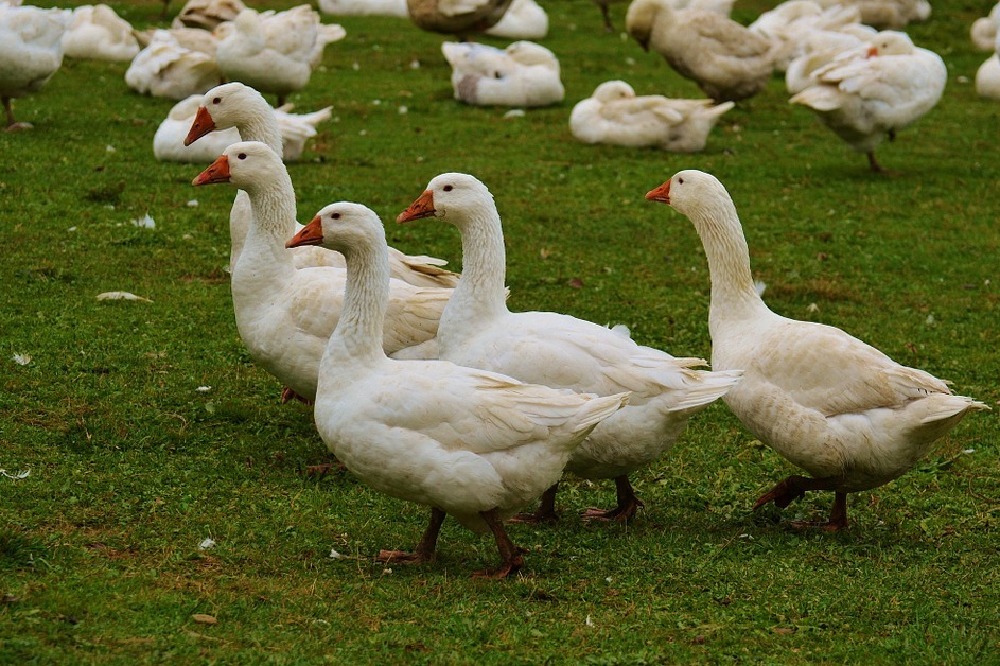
pixel 31 52
pixel 235 105
pixel 557 350
pixel 867 98
pixel 843 411
pixel 465 442
pixel 284 314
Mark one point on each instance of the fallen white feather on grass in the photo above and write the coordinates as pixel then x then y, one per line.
pixel 144 222
pixel 121 296
pixel 206 544
pixel 21 359
pixel 23 474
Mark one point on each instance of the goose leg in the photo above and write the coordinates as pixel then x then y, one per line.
pixel 546 512
pixel 288 394
pixel 876 167
pixel 628 504
pixel 510 555
pixel 425 549
pixel 605 14
pixel 792 488
pixel 12 124
pixel 838 516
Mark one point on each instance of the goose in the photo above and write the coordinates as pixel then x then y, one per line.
pixel 286 314
pixel 168 142
pixel 561 351
pixel 274 52
pixel 235 105
pixel 726 60
pixel 614 114
pixel 207 14
pixel 983 31
pixel 30 53
pixel 456 17
pixel 96 31
pixel 821 47
pixel 841 410
pixel 790 23
pixel 523 74
pixel 167 69
pixel 988 78
pixel 363 7
pixel 524 19
pixel 865 99
pixel 193 39
pixel 887 14
pixel 724 7
pixel 473 444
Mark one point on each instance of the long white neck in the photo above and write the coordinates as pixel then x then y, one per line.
pixel 261 124
pixel 480 293
pixel 733 293
pixel 272 223
pixel 358 336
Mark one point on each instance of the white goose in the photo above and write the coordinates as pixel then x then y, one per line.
pixel 988 78
pixel 466 442
pixel 887 14
pixel 726 60
pixel 30 52
pixel 524 19
pixel 614 114
pixel 363 7
pixel 96 31
pixel 791 22
pixel 207 14
pixel 557 350
pixel 234 105
pixel 274 52
pixel 456 17
pixel 167 69
pixel 523 74
pixel 285 315
pixel 821 47
pixel 983 31
pixel 865 99
pixel 841 410
pixel 724 7
pixel 168 142
pixel 193 39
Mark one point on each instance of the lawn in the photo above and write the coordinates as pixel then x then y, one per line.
pixel 147 430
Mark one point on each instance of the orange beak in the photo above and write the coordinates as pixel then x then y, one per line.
pixel 202 125
pixel 217 172
pixel 661 193
pixel 422 207
pixel 872 52
pixel 311 234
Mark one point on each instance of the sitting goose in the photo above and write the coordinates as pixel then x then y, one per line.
pixel 456 17
pixel 31 52
pixel 843 411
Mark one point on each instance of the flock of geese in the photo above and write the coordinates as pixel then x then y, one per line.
pixel 426 386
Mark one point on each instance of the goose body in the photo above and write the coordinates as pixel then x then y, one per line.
pixel 193 39
pixel 983 31
pixel 473 444
pixel 614 114
pixel 167 69
pixel 832 405
pixel 723 7
pixel 274 52
pixel 557 350
pixel 240 107
pixel 726 60
pixel 864 99
pixel 285 314
pixel 819 48
pixel 363 7
pixel 524 19
pixel 168 142
pixel 523 74
pixel 96 31
pixel 791 22
pixel 31 51
pixel 887 14
pixel 207 14
pixel 988 78
pixel 456 17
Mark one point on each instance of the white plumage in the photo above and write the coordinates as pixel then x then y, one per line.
pixel 31 52
pixel 96 31
pixel 167 69
pixel 523 74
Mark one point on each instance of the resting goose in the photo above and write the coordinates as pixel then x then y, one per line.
pixel 96 31
pixel 285 314
pixel 988 78
pixel 193 39
pixel 557 350
pixel 168 142
pixel 523 74
pixel 887 14
pixel 524 19
pixel 614 114
pixel 983 31
pixel 791 22
pixel 456 17
pixel 473 444
pixel 363 7
pixel 234 105
pixel 841 410
pixel 274 52
pixel 167 69
pixel 30 52
pixel 726 60
pixel 865 99
pixel 207 14
pixel 821 47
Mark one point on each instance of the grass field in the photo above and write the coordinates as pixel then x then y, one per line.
pixel 132 467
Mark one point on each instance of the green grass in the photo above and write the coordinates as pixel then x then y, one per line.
pixel 131 467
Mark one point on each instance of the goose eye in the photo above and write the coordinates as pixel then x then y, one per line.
pixel 335 216
pixel 447 188
pixel 217 100
pixel 242 156
pixel 680 180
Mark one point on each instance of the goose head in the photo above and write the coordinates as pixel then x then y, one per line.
pixel 223 107
pixel 453 197
pixel 890 42
pixel 611 91
pixel 689 191
pixel 341 226
pixel 245 164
